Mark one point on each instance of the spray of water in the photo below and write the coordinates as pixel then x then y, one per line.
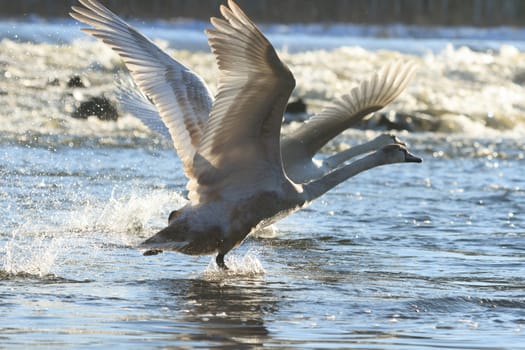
pixel 29 254
pixel 245 265
pixel 46 245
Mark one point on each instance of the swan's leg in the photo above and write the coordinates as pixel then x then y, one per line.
pixel 220 261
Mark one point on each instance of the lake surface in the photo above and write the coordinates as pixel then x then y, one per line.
pixel 427 255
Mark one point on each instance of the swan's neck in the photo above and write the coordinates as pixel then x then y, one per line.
pixel 338 158
pixel 320 186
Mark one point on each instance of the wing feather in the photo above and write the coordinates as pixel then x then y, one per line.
pixel 133 101
pixel 180 96
pixel 346 111
pixel 240 148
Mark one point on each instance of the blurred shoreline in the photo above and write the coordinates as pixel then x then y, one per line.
pixel 477 13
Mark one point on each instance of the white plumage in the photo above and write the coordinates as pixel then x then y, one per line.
pixel 230 146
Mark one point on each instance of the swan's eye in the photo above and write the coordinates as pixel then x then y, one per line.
pixel 172 216
pixel 393 148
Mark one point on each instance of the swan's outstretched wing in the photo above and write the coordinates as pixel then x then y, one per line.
pixel 180 96
pixel 133 101
pixel 346 111
pixel 240 148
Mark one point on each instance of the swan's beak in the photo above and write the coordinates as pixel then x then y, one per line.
pixel 410 158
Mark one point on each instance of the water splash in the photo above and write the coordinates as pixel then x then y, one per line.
pixel 33 255
pixel 246 265
pixel 125 215
pixel 49 244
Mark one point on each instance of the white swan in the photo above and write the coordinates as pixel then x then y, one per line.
pixel 237 182
pixel 182 99
pixel 299 147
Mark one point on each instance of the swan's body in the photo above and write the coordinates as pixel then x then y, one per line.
pixel 298 154
pixel 175 92
pixel 219 226
pixel 300 146
pixel 232 158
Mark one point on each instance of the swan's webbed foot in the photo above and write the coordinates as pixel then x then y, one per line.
pixel 152 252
pixel 220 261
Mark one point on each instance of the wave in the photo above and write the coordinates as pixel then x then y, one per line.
pixel 61 31
pixel 464 304
pixel 42 244
pixel 456 90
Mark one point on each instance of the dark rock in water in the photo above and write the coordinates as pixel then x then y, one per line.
pixel 397 121
pixel 99 106
pixel 422 121
pixel 385 121
pixel 53 82
pixel 519 78
pixel 297 106
pixel 77 82
pixel 295 117
pixel 416 121
pixel 295 111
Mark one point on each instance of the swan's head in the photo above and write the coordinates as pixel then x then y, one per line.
pixel 387 139
pixel 397 153
pixel 172 216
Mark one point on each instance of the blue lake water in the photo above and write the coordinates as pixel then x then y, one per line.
pixel 404 256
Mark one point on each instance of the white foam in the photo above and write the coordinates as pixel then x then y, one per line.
pixel 486 87
pixel 125 216
pixel 245 265
pixel 37 246
pixel 27 253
